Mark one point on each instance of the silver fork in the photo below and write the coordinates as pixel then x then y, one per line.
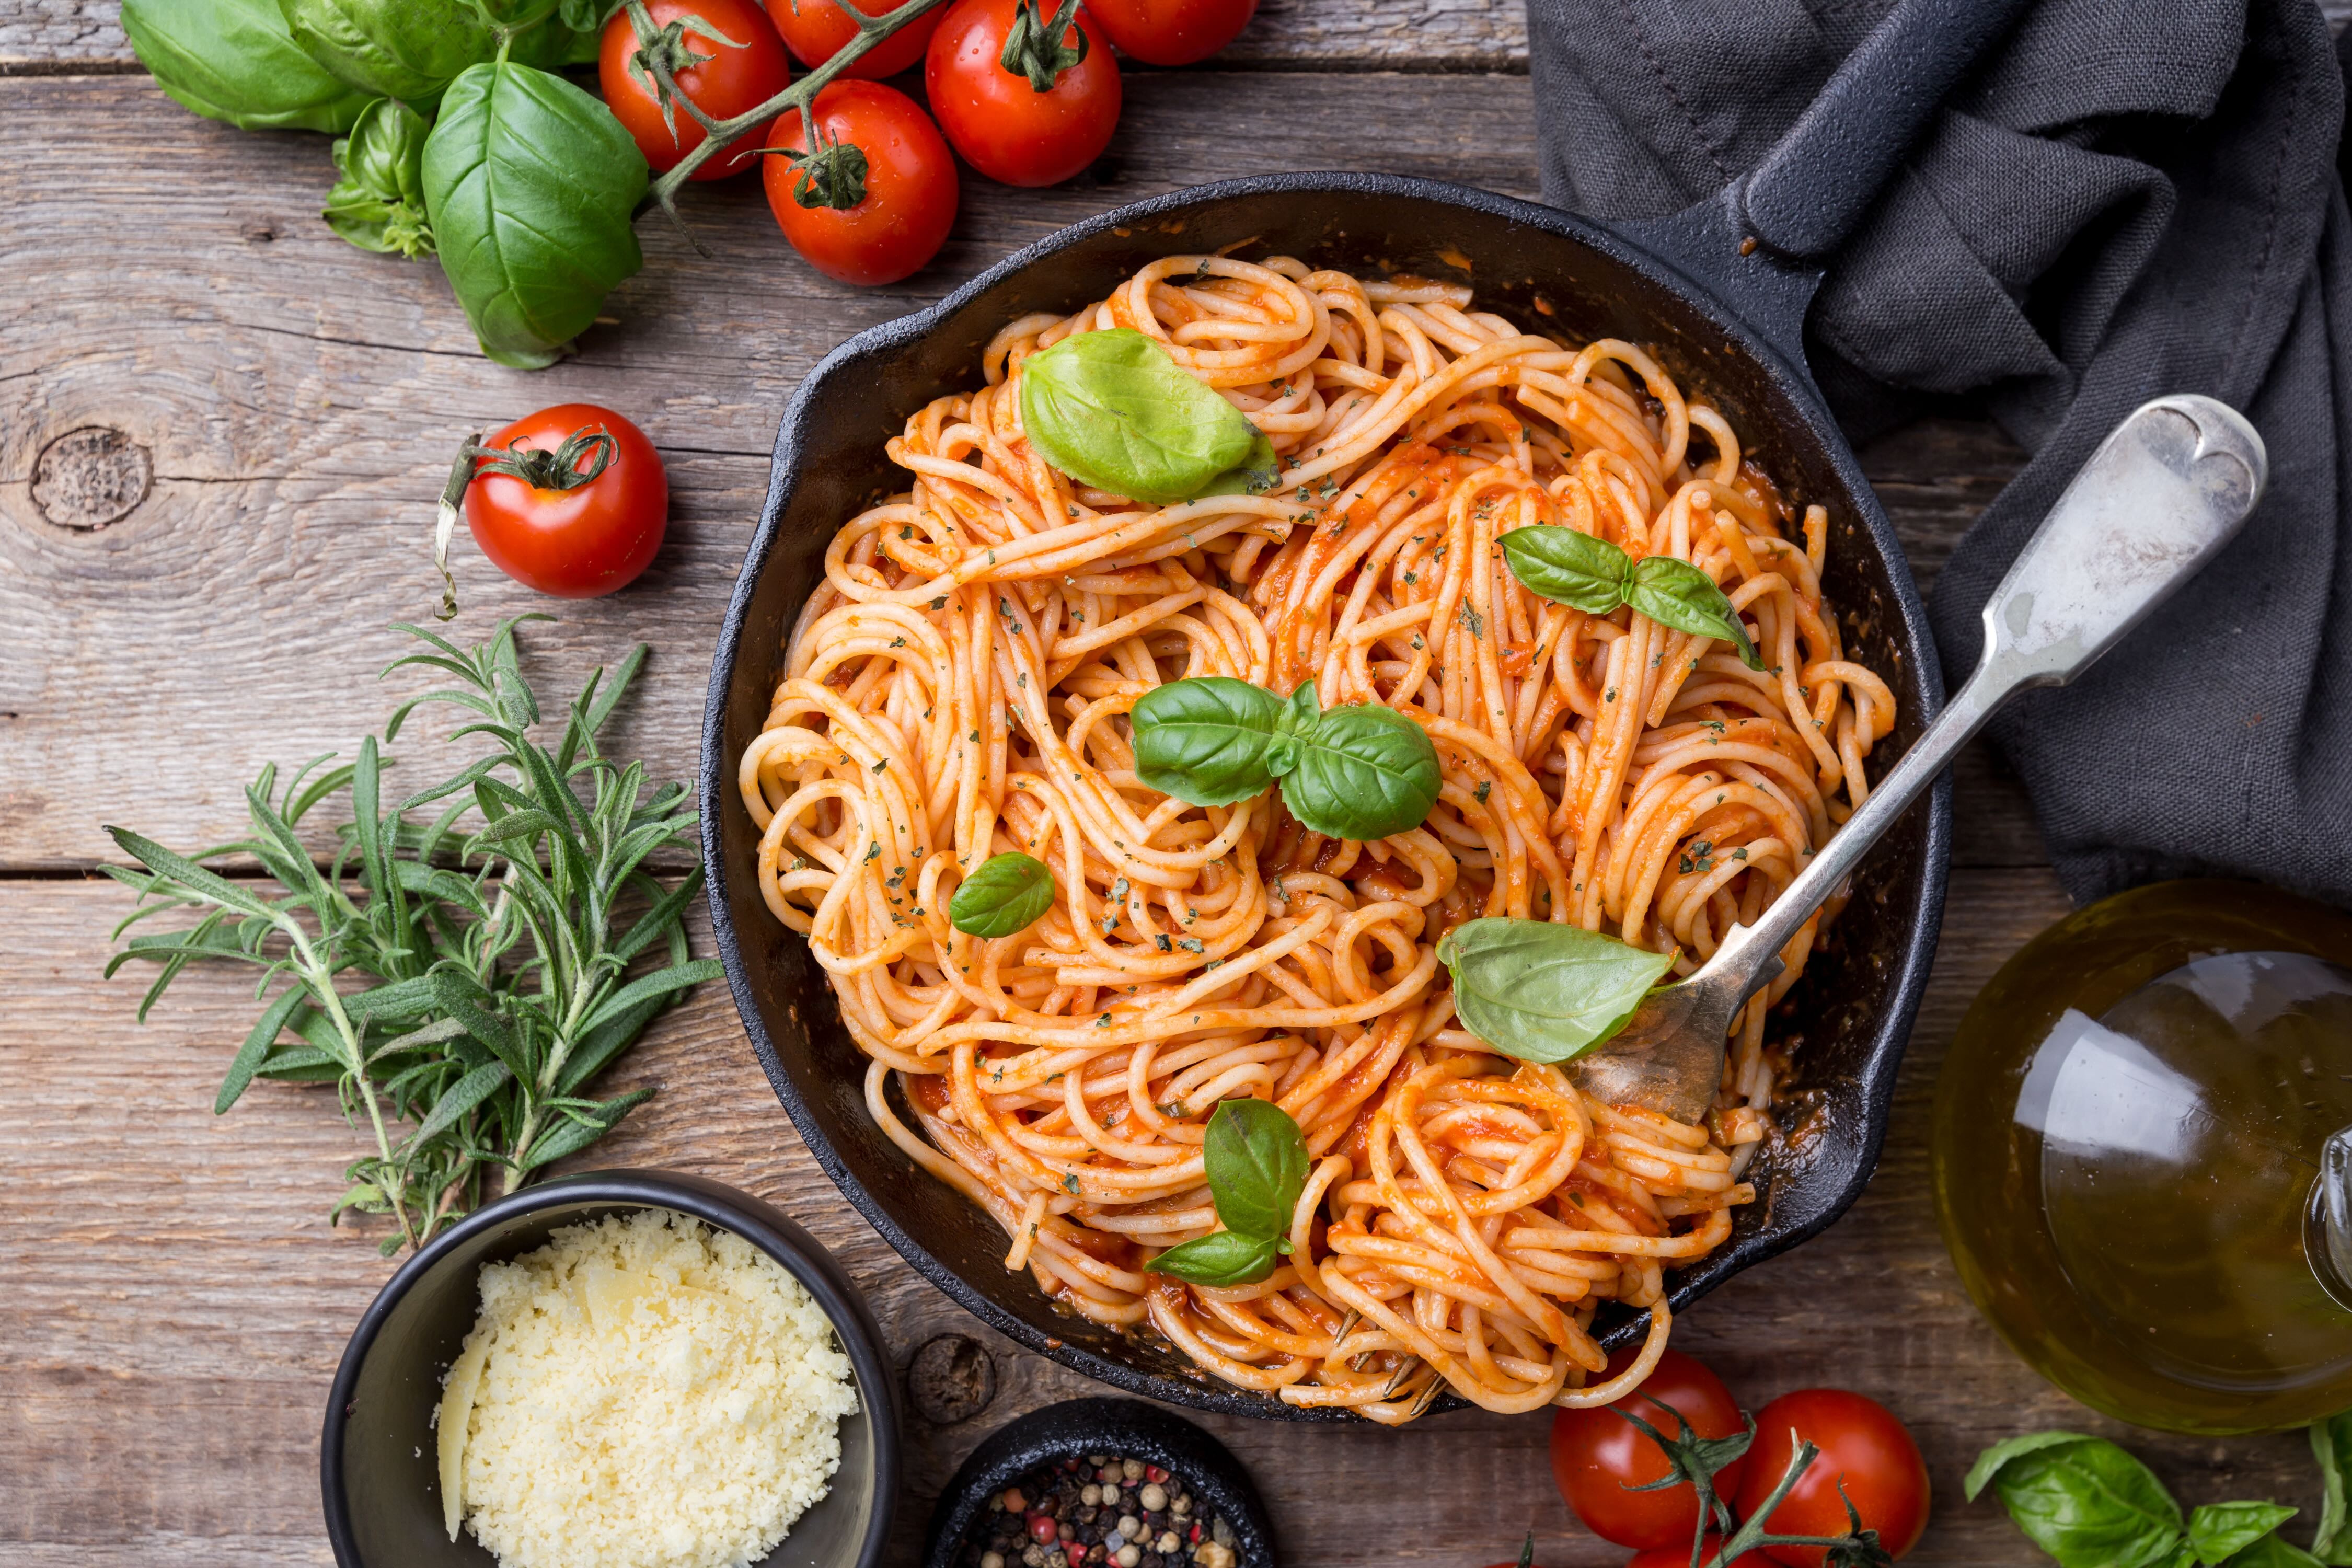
pixel 2156 501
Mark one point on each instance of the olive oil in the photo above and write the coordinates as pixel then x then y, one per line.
pixel 2133 1159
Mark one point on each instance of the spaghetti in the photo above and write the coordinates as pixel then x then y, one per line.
pixel 957 688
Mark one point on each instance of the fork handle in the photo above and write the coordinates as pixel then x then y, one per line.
pixel 2164 493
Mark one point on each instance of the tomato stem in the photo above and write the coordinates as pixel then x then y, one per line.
pixel 800 95
pixel 558 469
pixel 453 494
pixel 661 53
pixel 1859 1548
pixel 831 173
pixel 1034 47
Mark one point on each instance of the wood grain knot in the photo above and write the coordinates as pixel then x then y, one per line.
pixel 91 477
pixel 951 1379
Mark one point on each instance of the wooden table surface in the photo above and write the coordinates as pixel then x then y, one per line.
pixel 171 1300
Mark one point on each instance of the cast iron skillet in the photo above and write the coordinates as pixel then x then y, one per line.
pixel 1725 313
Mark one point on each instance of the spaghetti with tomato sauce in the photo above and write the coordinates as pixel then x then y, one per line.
pixel 959 687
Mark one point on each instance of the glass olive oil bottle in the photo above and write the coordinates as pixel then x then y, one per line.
pixel 2143 1156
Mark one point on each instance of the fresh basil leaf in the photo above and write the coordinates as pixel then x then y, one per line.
pixel 1006 896
pixel 1674 593
pixel 1364 772
pixel 1295 719
pixel 408 49
pixel 1543 992
pixel 2084 1501
pixel 1219 1257
pixel 2218 1531
pixel 379 203
pixel 1204 740
pixel 1115 412
pixel 1568 567
pixel 1298 714
pixel 2331 1445
pixel 587 16
pixel 1989 1462
pixel 1256 1162
pixel 234 60
pixel 530 185
pixel 2272 1552
pixel 1255 475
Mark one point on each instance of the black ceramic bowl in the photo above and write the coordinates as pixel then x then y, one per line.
pixel 1123 1427
pixel 1532 264
pixel 377 1459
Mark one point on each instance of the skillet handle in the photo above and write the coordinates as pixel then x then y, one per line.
pixel 1813 188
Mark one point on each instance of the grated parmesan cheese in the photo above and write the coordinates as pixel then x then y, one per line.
pixel 641 1391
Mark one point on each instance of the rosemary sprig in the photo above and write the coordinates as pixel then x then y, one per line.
pixel 458 972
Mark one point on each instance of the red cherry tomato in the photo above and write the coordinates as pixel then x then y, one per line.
pixel 900 208
pixel 1003 125
pixel 1597 1454
pixel 814 31
pixel 575 543
pixel 731 81
pixel 1679 1556
pixel 1863 1444
pixel 1172 32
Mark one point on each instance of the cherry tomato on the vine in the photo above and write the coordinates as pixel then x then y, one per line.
pixel 875 198
pixel 814 31
pixel 725 76
pixel 575 503
pixel 1037 125
pixel 1597 1454
pixel 1863 1444
pixel 1172 32
pixel 1679 1556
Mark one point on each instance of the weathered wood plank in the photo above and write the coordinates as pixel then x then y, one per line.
pixel 298 400
pixel 45 36
pixel 176 1303
pixel 1423 35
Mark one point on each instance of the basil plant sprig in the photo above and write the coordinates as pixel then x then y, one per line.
pixel 530 187
pixel 1116 412
pixel 379 203
pixel 1360 771
pixel 2090 1504
pixel 234 60
pixel 1006 896
pixel 1541 992
pixel 1255 1159
pixel 1573 568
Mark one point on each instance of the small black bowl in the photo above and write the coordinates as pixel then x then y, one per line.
pixel 377 1459
pixel 1127 1427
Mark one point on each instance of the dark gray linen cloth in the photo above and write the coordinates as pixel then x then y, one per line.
pixel 2129 198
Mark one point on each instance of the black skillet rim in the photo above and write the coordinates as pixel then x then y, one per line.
pixel 1877 1076
pixel 714 1203
pixel 1127 1427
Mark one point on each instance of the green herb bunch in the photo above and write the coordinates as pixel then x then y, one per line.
pixel 2090 1504
pixel 467 957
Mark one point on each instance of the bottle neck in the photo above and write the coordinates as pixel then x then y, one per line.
pixel 2328 1231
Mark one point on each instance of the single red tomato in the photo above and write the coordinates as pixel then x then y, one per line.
pixel 1679 1556
pixel 565 512
pixel 1597 1454
pixel 735 75
pixel 1172 32
pixel 1863 1444
pixel 866 222
pixel 814 31
pixel 1036 126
